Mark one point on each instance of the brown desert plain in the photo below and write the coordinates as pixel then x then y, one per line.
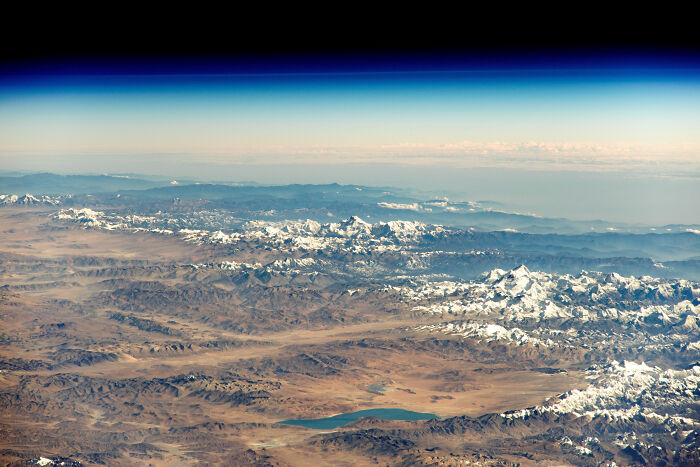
pixel 115 353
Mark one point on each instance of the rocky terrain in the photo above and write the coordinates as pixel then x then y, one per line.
pixel 180 331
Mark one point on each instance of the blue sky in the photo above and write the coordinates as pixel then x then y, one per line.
pixel 585 117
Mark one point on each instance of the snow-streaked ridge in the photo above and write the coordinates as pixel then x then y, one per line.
pixel 624 391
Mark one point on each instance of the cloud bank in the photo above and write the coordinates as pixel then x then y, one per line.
pixel 657 158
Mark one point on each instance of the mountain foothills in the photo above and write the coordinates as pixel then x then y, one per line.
pixel 174 323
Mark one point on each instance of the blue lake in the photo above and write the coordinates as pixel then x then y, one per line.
pixel 339 420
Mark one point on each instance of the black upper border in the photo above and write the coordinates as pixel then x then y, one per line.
pixel 140 38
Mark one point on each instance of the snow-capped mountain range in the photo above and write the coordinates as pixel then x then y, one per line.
pixel 628 390
pixel 352 234
pixel 29 200
pixel 520 294
pixel 591 311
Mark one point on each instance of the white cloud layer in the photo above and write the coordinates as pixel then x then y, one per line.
pixel 661 158
pixel 683 157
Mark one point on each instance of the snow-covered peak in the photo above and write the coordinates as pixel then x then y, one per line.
pixel 493 275
pixel 354 221
pixel 348 228
pixel 517 281
pixel 85 216
pixel 404 230
pixel 29 200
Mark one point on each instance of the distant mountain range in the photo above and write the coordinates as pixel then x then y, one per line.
pixel 52 184
pixel 320 203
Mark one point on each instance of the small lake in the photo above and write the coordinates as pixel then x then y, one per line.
pixel 335 421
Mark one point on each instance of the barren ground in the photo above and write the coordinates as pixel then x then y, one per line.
pixel 92 370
